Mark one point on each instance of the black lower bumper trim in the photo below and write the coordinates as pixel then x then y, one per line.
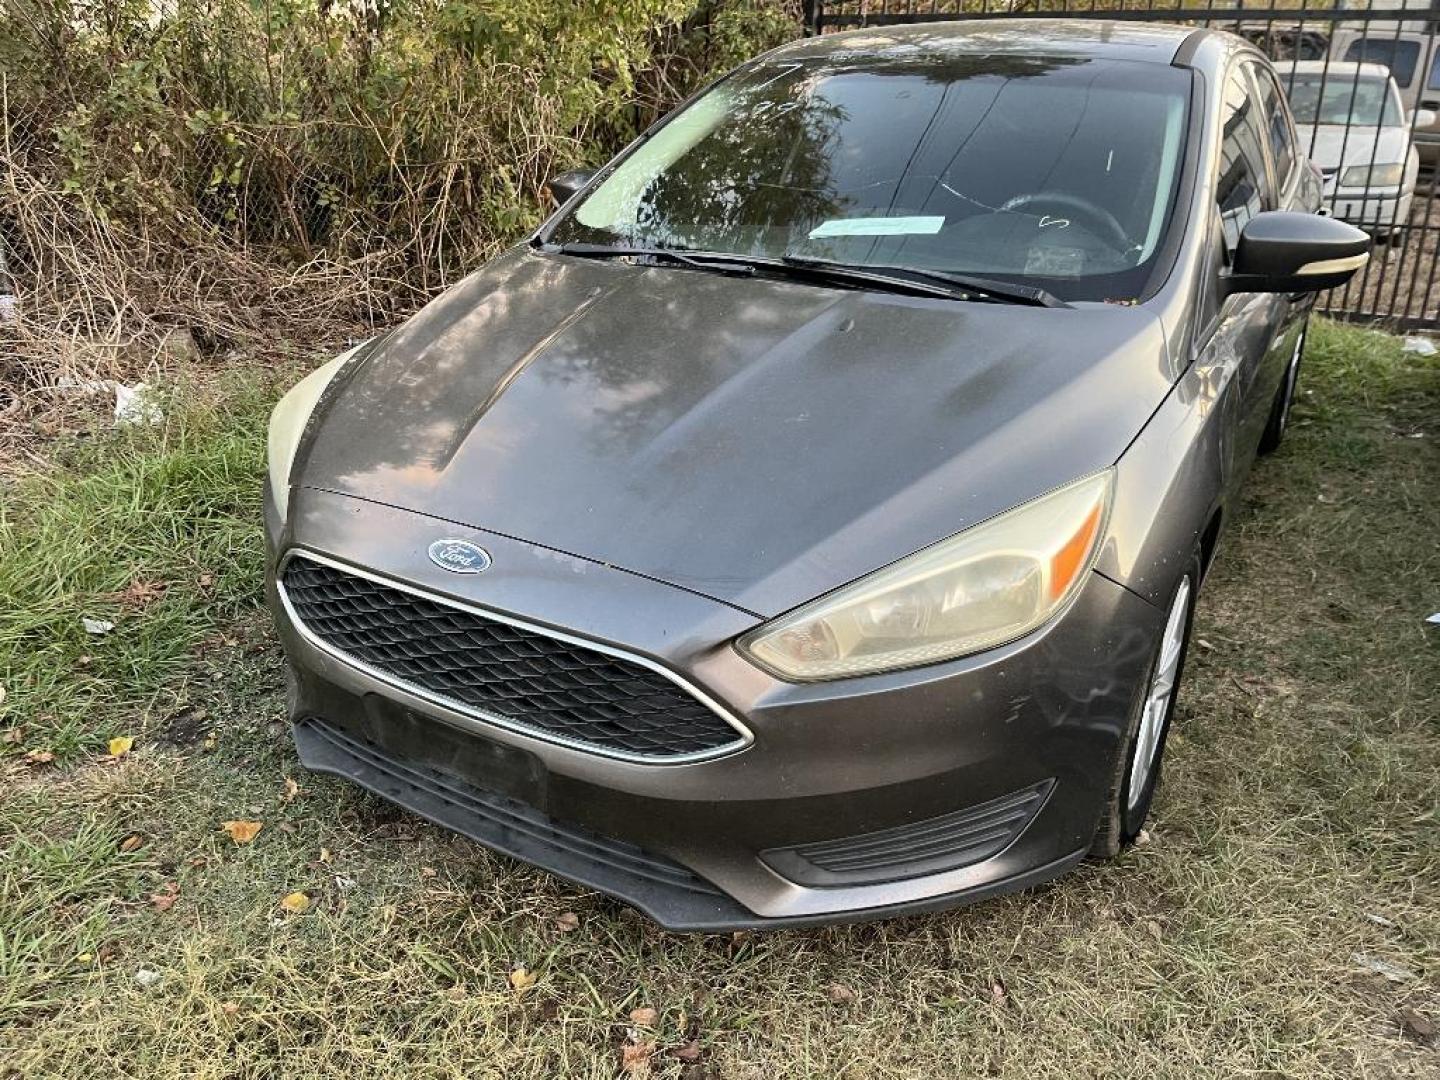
pixel 672 895
pixel 663 889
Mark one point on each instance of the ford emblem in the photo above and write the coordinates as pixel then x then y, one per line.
pixel 459 556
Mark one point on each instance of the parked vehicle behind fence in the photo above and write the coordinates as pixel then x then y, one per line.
pixel 1411 52
pixel 1358 134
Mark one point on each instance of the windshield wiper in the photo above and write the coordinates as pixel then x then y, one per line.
pixel 932 281
pixel 735 265
pixel 906 279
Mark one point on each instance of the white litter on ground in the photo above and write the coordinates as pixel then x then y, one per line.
pixel 1393 972
pixel 1422 345
pixel 98 627
pixel 134 406
pixel 147 977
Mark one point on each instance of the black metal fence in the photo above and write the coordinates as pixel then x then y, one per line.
pixel 1377 145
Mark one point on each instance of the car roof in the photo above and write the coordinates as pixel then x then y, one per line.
pixel 1344 69
pixel 1079 38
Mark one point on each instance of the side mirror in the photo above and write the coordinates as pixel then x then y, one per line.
pixel 567 184
pixel 1285 251
pixel 1425 118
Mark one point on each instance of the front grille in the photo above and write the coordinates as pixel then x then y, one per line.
pixel 933 846
pixel 505 674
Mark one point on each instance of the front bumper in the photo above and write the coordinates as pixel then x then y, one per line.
pixel 1364 210
pixel 725 843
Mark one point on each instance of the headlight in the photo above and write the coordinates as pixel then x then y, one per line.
pixel 1391 175
pixel 287 424
pixel 988 585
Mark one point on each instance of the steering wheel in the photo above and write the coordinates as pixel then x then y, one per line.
pixel 1108 228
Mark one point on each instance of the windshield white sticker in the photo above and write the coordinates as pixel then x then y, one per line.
pixel 878 226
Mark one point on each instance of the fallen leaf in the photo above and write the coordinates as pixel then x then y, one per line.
pixel 839 994
pixel 12 735
pixel 427 872
pixel 522 978
pixel 998 994
pixel 39 757
pixel 229 1008
pixel 291 789
pixel 689 1052
pixel 644 1016
pixel 206 580
pixel 140 592
pixel 211 741
pixel 635 1057
pixel 165 899
pixel 120 745
pixel 131 842
pixel 242 832
pixel 1418 1027
pixel 297 903
pixel 325 855
pixel 84 958
pixel 567 922
pixel 1142 838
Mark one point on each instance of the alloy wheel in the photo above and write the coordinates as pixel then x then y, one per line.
pixel 1158 698
pixel 1292 376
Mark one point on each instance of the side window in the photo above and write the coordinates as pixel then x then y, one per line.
pixel 1399 56
pixel 1278 126
pixel 1242 189
pixel 1434 83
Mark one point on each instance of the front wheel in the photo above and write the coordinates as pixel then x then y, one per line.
pixel 1133 787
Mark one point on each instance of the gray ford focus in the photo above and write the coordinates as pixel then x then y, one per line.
pixel 805 523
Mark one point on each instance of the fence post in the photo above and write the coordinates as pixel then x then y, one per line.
pixel 813 11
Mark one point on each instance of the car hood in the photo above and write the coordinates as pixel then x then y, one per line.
pixel 754 440
pixel 1359 146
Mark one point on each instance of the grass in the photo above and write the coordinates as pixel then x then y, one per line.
pixel 1294 841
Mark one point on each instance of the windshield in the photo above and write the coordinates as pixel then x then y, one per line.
pixel 1053 171
pixel 1365 102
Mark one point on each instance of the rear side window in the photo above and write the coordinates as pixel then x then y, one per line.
pixel 1242 190
pixel 1434 71
pixel 1399 56
pixel 1277 124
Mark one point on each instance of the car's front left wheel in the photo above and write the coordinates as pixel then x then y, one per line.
pixel 1138 772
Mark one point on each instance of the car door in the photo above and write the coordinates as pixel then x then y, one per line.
pixel 1255 325
pixel 1427 139
pixel 1295 189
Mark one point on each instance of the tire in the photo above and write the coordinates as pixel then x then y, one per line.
pixel 1274 433
pixel 1130 796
